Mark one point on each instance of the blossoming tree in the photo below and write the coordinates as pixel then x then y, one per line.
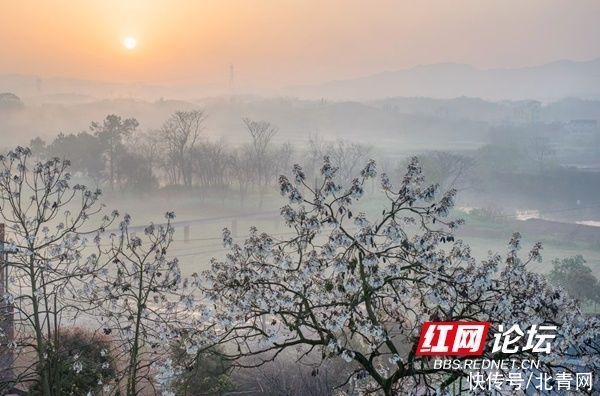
pixel 360 286
pixel 48 260
pixel 143 303
pixel 65 267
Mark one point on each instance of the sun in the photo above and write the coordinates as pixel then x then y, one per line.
pixel 129 42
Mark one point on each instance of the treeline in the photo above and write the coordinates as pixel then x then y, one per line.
pixel 117 155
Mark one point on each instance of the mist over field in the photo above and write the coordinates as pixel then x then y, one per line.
pixel 540 138
pixel 529 163
pixel 288 138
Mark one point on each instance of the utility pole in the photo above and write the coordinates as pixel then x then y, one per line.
pixel 6 317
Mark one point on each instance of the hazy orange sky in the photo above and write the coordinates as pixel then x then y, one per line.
pixel 286 42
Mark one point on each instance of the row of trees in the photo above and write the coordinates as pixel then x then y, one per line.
pixel 345 286
pixel 116 154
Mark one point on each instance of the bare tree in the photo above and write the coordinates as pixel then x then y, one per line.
pixel 283 159
pixel 316 151
pixel 262 132
pixel 540 151
pixel 240 169
pixel 449 170
pixel 210 164
pixel 347 157
pixel 148 146
pixel 181 132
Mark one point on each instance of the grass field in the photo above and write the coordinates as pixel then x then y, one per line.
pixel 207 216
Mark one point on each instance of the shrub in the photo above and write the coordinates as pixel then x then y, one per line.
pixel 82 360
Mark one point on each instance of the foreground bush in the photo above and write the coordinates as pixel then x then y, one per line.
pixel 82 362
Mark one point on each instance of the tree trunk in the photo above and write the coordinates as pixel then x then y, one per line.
pixel 41 348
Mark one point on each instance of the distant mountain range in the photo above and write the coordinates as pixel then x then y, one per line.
pixel 546 82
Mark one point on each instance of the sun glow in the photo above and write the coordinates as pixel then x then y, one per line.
pixel 130 42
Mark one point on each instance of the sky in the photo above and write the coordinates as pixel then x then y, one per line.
pixel 284 42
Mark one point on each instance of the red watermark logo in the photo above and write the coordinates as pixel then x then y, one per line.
pixel 453 338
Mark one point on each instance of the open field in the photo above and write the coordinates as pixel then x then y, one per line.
pixel 205 219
